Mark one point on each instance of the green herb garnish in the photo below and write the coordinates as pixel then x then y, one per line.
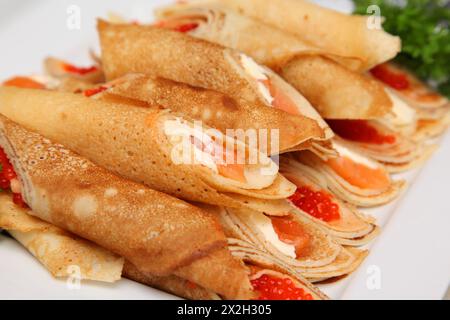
pixel 423 26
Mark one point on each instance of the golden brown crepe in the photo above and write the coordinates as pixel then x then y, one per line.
pixel 57 249
pixel 318 171
pixel 432 109
pixel 337 33
pixel 245 225
pixel 216 110
pixel 173 284
pixel 350 227
pixel 216 23
pixel 62 70
pixel 320 255
pixel 347 261
pixel 256 264
pixel 150 146
pixel 335 91
pixel 155 232
pixel 377 140
pixel 182 58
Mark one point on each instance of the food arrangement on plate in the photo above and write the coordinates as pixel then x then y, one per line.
pixel 135 167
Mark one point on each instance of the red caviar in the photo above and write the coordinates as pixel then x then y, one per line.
pixel 393 79
pixel 272 288
pixel 186 27
pixel 360 131
pixel 17 199
pixel 291 232
pixel 316 203
pixel 78 70
pixel 7 174
pixel 94 91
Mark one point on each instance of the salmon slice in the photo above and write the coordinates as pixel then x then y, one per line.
pixel 360 175
pixel 23 82
pixel 291 232
pixel 281 100
pixel 233 170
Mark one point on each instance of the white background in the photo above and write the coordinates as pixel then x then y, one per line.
pixel 412 253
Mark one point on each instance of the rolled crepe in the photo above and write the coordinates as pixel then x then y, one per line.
pixel 432 109
pixel 317 247
pixel 348 260
pixel 409 87
pixel 182 58
pixel 63 70
pixel 216 23
pixel 155 232
pixel 307 249
pixel 376 140
pixel 402 118
pixel 57 249
pixel 257 264
pixel 172 284
pixel 335 91
pixel 338 33
pixel 166 152
pixel 352 177
pixel 344 222
pixel 217 110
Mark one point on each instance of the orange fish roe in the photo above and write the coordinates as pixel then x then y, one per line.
pixel 393 79
pixel 291 232
pixel 79 70
pixel 7 174
pixel 186 27
pixel 94 91
pixel 318 204
pixel 272 288
pixel 359 131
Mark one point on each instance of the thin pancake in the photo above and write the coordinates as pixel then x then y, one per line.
pixel 218 110
pixel 57 249
pixel 172 237
pixel 182 58
pixel 144 147
pixel 337 33
pixel 335 91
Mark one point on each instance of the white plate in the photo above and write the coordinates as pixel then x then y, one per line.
pixel 409 260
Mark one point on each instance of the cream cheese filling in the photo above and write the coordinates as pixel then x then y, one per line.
pixel 402 113
pixel 258 73
pixel 356 157
pixel 265 227
pixel 179 133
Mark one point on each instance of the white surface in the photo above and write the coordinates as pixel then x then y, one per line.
pixel 412 254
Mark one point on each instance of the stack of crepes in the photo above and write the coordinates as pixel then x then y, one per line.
pixel 158 163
